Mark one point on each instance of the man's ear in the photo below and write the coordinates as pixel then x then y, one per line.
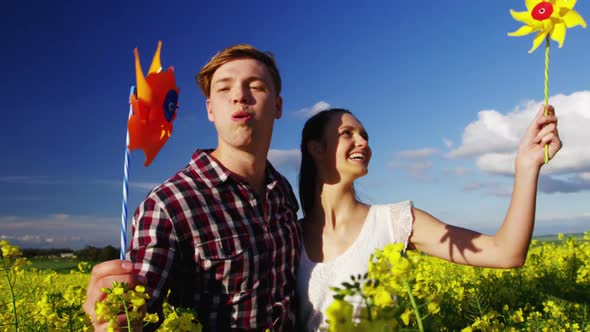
pixel 209 113
pixel 279 107
pixel 316 149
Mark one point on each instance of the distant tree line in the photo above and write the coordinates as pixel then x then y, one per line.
pixel 94 254
pixel 38 252
pixel 88 253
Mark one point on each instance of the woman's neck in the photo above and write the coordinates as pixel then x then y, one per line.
pixel 335 204
pixel 334 223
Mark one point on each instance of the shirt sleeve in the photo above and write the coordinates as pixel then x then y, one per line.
pixel 401 222
pixel 152 250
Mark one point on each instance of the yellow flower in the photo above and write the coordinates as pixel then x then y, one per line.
pixel 434 304
pixel 84 267
pixel 339 315
pixel 118 289
pixel 100 309
pixel 9 250
pixel 517 316
pixel 549 17
pixel 406 317
pixel 383 298
pixel 151 318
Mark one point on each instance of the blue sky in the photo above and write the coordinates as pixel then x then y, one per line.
pixel 442 90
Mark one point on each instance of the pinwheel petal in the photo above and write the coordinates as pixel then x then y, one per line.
pixel 530 4
pixel 569 4
pixel 572 18
pixel 523 31
pixel 538 40
pixel 558 33
pixel 524 17
pixel 156 65
pixel 547 25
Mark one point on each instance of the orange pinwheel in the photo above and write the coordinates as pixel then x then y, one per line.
pixel 154 106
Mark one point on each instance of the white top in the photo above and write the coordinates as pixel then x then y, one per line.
pixel 385 224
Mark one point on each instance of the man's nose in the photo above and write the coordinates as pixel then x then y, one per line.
pixel 241 95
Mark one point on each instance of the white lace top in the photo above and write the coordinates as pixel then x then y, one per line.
pixel 384 224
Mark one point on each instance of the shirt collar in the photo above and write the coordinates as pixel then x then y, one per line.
pixel 214 173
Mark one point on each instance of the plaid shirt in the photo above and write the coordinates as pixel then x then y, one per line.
pixel 221 250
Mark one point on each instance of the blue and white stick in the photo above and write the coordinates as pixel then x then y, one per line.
pixel 125 187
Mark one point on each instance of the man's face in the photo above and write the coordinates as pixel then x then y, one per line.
pixel 243 104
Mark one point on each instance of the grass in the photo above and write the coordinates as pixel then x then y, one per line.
pixel 60 265
pixel 553 238
pixel 65 265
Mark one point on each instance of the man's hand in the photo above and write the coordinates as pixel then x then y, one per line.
pixel 103 275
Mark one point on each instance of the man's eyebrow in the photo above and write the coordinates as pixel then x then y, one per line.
pixel 222 80
pixel 229 79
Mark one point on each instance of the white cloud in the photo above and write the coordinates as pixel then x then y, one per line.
pixel 447 142
pixel 571 184
pixel 471 186
pixel 419 169
pixel 144 185
pixel 414 162
pixel 489 188
pixel 457 171
pixel 562 224
pixel 47 180
pixel 492 132
pixel 493 139
pixel 61 230
pixel 285 159
pixel 416 154
pixel 308 112
pixel 27 179
pixel 495 134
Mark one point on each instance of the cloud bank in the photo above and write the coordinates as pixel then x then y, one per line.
pixel 493 139
pixel 285 159
pixel 308 112
pixel 415 162
pixel 60 230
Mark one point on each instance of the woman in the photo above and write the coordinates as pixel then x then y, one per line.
pixel 340 232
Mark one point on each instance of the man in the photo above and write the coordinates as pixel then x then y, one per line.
pixel 222 233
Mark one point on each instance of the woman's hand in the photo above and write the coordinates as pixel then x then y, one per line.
pixel 542 131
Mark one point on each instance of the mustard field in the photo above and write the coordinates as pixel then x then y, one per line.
pixel 401 292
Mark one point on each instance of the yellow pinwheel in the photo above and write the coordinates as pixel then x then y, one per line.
pixel 549 18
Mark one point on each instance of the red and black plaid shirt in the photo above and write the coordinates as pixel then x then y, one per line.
pixel 221 250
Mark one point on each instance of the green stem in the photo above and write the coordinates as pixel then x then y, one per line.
pixel 126 313
pixel 415 305
pixel 368 308
pixel 15 320
pixel 70 320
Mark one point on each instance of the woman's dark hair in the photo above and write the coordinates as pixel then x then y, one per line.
pixel 312 131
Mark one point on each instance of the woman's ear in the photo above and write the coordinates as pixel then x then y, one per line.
pixel 316 149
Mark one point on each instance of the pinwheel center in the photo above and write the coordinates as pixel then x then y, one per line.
pixel 170 104
pixel 542 11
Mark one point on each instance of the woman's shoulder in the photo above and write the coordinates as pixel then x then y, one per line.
pixel 402 205
pixel 394 219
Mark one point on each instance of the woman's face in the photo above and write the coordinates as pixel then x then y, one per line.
pixel 346 149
